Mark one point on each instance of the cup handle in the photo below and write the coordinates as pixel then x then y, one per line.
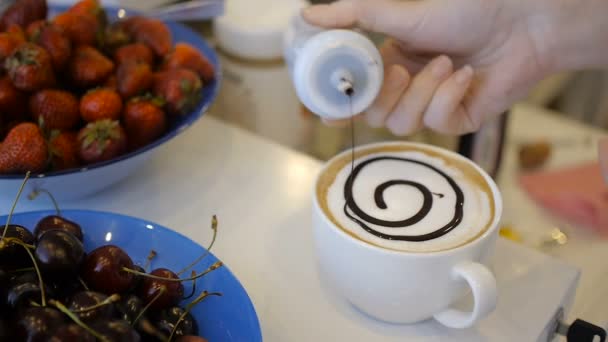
pixel 483 286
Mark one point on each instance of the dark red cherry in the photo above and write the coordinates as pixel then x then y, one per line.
pixel 37 323
pixel 190 339
pixel 137 279
pixel 173 290
pixel 59 254
pixel 13 255
pixel 71 332
pixel 23 289
pixel 55 222
pixel 103 270
pixel 116 331
pixel 166 319
pixel 4 279
pixel 86 299
pixel 128 308
pixel 5 331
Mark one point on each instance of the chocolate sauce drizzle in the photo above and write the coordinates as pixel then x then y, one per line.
pixel 363 219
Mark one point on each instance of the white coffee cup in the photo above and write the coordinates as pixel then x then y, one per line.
pixel 409 287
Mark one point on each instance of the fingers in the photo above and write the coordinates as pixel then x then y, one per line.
pixel 385 16
pixel 603 157
pixel 446 114
pixel 406 117
pixel 396 81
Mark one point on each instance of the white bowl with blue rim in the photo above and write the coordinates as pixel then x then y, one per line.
pixel 86 181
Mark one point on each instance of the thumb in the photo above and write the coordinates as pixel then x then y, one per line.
pixel 395 18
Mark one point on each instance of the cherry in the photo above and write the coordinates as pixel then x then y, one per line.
pixel 5 331
pixel 12 255
pixel 37 323
pixel 172 291
pixel 71 332
pixel 59 254
pixel 129 308
pixel 116 331
pixel 167 319
pixel 137 279
pixel 80 304
pixel 23 289
pixel 55 222
pixel 103 270
pixel 3 288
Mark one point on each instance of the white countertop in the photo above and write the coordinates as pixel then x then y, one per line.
pixel 261 193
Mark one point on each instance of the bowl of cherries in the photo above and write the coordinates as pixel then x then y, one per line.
pixel 95 276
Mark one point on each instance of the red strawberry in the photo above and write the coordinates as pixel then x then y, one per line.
pixel 63 148
pixel 134 78
pixel 53 40
pixel 100 104
pixel 186 56
pixel 55 109
pixel 88 67
pixel 180 88
pixel 153 33
pixel 24 149
pixel 144 121
pixel 81 29
pixel 12 101
pixel 101 140
pixel 10 40
pixel 23 12
pixel 30 68
pixel 137 52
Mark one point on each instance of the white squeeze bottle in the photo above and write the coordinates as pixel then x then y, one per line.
pixel 331 68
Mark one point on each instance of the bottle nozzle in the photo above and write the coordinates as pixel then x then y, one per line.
pixel 343 81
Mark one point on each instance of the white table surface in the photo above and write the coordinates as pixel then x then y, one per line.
pixel 261 193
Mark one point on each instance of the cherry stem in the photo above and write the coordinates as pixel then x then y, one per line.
pixel 112 299
pixel 148 328
pixel 83 283
pixel 151 256
pixel 32 303
pixel 37 193
pixel 21 270
pixel 76 320
pixel 8 240
pixel 10 213
pixel 193 274
pixel 210 269
pixel 214 228
pixel 40 282
pixel 189 307
pixel 141 313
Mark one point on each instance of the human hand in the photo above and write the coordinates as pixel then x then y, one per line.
pixel 449 65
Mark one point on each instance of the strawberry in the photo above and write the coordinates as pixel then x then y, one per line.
pixel 88 67
pixel 24 149
pixel 12 101
pixel 186 56
pixel 80 29
pixel 23 12
pixel 30 68
pixel 63 148
pixel 9 41
pixel 52 38
pixel 101 140
pixel 100 104
pixel 55 109
pixel 144 121
pixel 137 52
pixel 133 78
pixel 153 33
pixel 181 88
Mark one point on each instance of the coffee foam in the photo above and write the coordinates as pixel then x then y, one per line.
pixel 405 201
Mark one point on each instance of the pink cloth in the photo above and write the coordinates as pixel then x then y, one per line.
pixel 577 194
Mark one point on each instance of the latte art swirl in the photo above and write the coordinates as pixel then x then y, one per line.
pixel 407 199
pixel 355 213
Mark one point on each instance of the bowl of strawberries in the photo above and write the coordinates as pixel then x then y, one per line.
pixel 88 93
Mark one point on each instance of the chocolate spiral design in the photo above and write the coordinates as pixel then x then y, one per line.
pixel 364 220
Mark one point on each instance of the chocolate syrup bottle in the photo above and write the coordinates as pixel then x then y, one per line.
pixel 485 147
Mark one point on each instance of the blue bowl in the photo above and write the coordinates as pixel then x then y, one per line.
pixel 75 183
pixel 231 317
